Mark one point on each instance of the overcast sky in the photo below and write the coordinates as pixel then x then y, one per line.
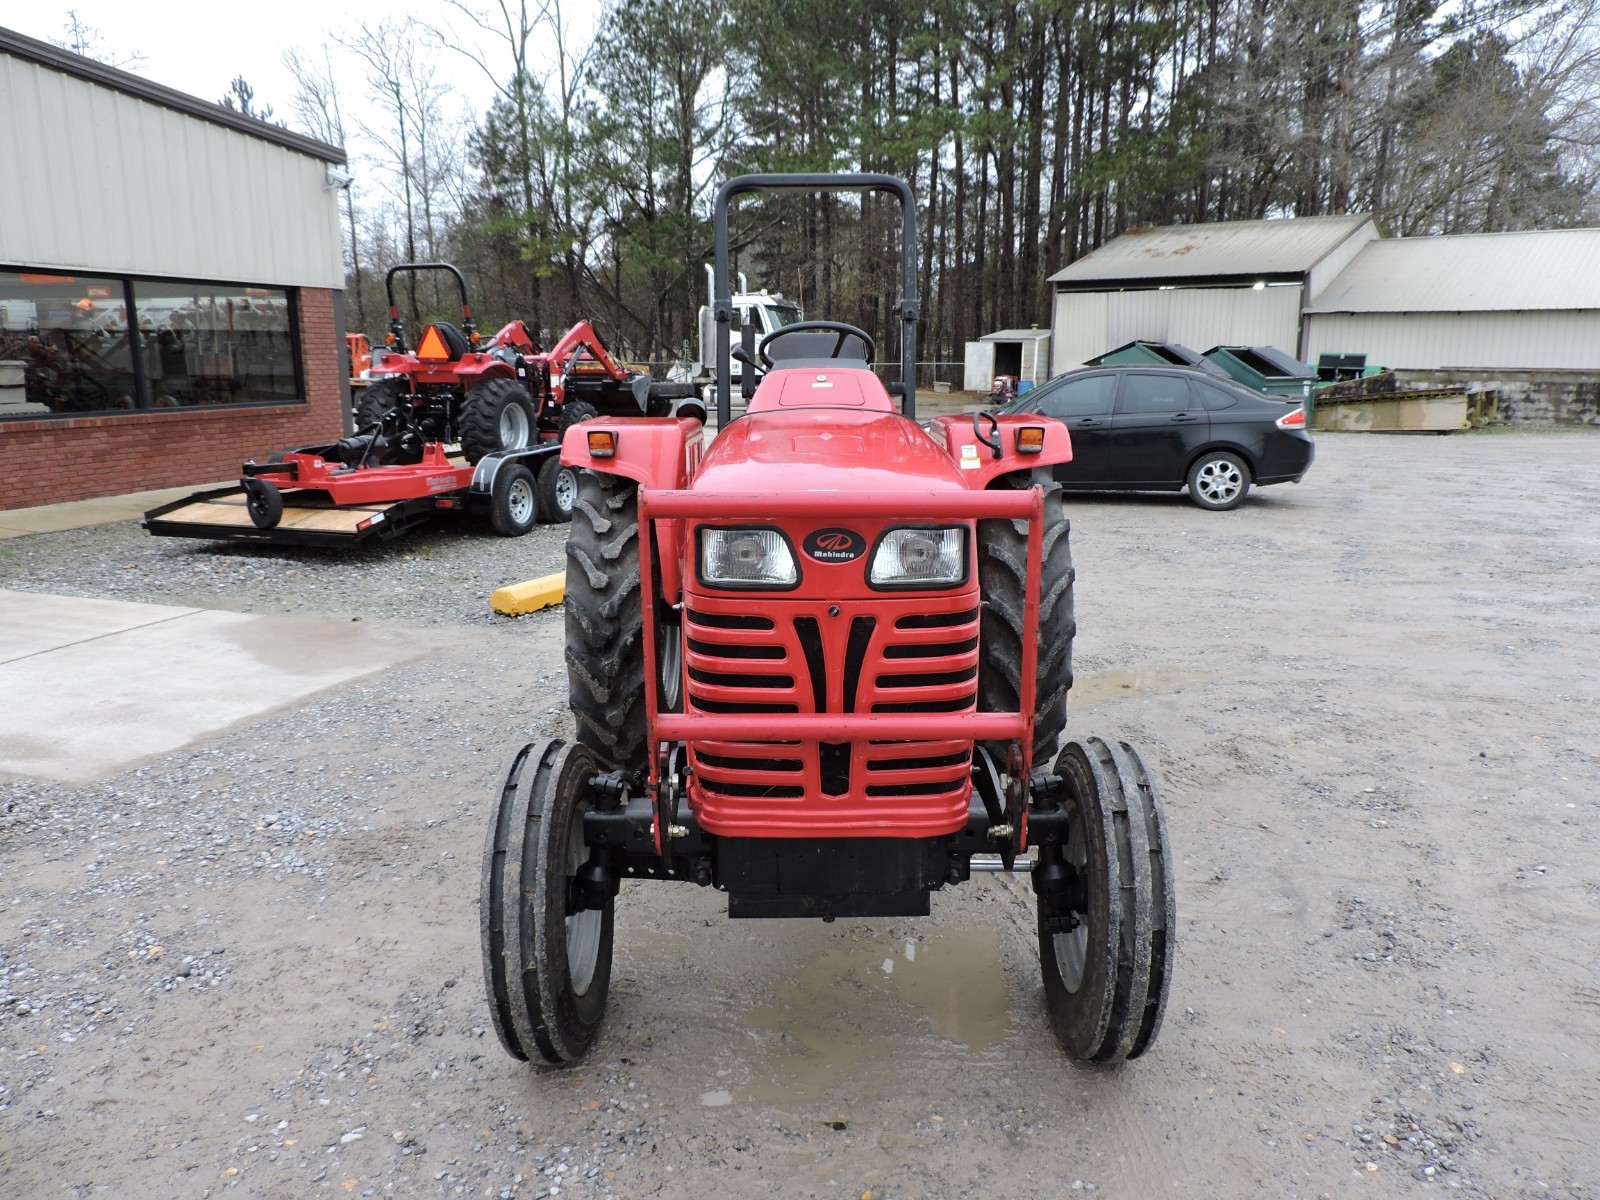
pixel 199 48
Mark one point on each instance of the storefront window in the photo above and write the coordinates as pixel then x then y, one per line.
pixel 64 345
pixel 69 345
pixel 210 345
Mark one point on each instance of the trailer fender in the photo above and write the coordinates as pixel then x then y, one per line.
pixel 970 440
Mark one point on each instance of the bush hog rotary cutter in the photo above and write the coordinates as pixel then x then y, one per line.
pixel 822 665
pixel 507 403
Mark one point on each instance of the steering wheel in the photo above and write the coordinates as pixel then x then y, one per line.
pixel 839 327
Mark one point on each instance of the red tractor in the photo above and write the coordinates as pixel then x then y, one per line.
pixel 503 394
pixel 822 665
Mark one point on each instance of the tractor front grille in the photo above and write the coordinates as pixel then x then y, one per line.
pixel 894 655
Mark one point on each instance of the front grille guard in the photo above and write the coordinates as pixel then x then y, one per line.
pixel 676 504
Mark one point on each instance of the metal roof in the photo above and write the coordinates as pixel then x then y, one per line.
pixel 1015 335
pixel 1233 249
pixel 44 54
pixel 1470 272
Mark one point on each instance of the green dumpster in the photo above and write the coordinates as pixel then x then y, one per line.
pixel 1265 368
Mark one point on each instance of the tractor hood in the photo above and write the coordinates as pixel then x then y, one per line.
pixel 826 450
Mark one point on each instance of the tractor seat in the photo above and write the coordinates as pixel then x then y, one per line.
pixel 806 347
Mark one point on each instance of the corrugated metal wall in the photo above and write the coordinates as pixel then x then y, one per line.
pixel 1079 332
pixel 1426 341
pixel 1090 323
pixel 95 179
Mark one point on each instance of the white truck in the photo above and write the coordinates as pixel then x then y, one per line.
pixel 765 311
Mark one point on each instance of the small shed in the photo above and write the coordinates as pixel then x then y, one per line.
pixel 1023 354
pixel 1264 368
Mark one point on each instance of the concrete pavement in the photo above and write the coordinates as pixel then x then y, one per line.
pixel 93 687
pixel 76 514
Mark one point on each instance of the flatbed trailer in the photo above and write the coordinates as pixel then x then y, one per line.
pixel 315 516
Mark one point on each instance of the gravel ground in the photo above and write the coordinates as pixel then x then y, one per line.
pixel 251 967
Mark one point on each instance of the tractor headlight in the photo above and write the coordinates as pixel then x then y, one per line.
pixel 746 558
pixel 920 558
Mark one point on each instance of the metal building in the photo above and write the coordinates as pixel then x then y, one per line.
pixel 1023 354
pixel 171 283
pixel 1482 301
pixel 1234 283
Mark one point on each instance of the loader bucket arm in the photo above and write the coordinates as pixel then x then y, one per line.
pixel 906 309
pixel 581 337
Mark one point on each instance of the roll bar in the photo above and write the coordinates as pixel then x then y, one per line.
pixel 396 331
pixel 907 308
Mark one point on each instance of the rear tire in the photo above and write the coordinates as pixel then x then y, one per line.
pixel 1219 481
pixel 1003 575
pixel 381 399
pixel 547 969
pixel 605 642
pixel 1106 944
pixel 514 503
pixel 377 401
pixel 496 415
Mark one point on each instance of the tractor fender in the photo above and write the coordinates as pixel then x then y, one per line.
pixel 475 368
pixel 975 457
pixel 655 452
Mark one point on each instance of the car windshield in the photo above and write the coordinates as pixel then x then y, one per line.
pixel 782 314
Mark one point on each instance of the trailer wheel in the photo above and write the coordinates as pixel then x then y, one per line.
pixel 1107 937
pixel 513 504
pixel 263 501
pixel 558 490
pixel 1002 575
pixel 546 938
pixel 496 415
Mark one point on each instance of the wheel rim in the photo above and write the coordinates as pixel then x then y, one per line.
pixel 1219 481
pixel 583 928
pixel 1072 947
pixel 669 654
pixel 521 502
pixel 566 489
pixel 513 427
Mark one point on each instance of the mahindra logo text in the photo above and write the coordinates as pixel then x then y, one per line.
pixel 835 545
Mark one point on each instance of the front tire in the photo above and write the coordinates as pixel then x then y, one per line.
pixel 1106 939
pixel 496 415
pixel 1219 481
pixel 513 503
pixel 546 951
pixel 605 642
pixel 1002 576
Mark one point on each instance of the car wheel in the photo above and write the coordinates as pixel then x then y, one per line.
pixel 1219 481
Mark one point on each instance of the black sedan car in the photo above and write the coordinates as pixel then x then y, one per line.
pixel 1156 429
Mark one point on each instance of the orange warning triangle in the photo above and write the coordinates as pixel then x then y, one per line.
pixel 432 347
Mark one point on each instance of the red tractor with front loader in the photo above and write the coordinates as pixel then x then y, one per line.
pixel 821 664
pixel 506 393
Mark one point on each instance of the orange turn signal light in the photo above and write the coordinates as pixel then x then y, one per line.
pixel 1030 439
pixel 602 443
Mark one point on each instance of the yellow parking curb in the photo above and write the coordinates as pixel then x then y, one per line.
pixel 517 598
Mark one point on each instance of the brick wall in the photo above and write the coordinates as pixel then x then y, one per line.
pixel 76 458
